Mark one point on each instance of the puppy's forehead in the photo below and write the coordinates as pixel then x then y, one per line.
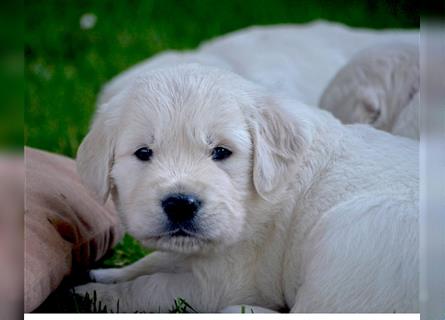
pixel 185 89
pixel 177 101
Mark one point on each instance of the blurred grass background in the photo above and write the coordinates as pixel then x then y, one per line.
pixel 66 65
pixel 11 77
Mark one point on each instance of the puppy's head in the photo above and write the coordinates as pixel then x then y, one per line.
pixel 185 152
pixel 374 86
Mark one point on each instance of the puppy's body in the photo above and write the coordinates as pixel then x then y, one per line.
pixel 307 214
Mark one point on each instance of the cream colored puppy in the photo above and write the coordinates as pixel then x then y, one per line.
pixel 251 199
pixel 379 86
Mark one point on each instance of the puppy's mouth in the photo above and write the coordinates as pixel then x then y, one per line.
pixel 183 230
pixel 181 233
pixel 178 240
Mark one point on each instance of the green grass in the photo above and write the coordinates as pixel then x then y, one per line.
pixel 127 251
pixel 11 76
pixel 67 301
pixel 65 66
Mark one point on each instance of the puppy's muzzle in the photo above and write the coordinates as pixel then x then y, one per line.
pixel 181 208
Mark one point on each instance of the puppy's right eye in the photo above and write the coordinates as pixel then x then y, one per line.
pixel 143 154
pixel 220 153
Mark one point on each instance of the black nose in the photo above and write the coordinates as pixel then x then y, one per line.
pixel 181 207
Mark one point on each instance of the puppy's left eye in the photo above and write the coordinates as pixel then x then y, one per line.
pixel 143 154
pixel 220 153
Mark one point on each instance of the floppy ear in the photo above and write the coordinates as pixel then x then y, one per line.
pixel 279 141
pixel 95 157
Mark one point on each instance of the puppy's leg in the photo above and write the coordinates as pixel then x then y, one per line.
pixel 156 293
pixel 152 263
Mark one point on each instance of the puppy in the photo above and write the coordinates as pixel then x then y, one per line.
pixel 252 199
pixel 380 87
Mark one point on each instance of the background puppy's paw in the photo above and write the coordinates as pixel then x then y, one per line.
pixel 112 275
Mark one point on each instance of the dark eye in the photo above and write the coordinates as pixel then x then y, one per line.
pixel 143 154
pixel 220 153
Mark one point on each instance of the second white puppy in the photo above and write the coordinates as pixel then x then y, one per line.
pixel 379 86
pixel 251 199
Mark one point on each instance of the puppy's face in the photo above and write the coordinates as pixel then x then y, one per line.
pixel 357 95
pixel 374 86
pixel 182 166
pixel 177 152
pixel 355 104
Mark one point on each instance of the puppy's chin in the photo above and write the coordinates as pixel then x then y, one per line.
pixel 178 244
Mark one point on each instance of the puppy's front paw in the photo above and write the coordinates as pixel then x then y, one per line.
pixel 112 275
pixel 100 295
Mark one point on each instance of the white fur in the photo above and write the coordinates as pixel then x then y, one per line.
pixel 379 86
pixel 407 122
pixel 307 214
